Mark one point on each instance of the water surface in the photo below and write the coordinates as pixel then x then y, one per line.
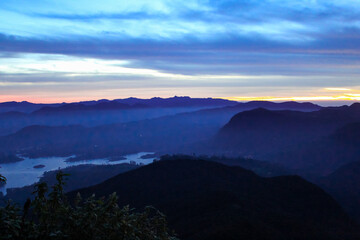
pixel 20 174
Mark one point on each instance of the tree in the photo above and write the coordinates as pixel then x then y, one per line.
pixel 2 179
pixel 51 216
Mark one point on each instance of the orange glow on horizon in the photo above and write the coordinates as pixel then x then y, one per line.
pixel 41 97
pixel 354 95
pixel 44 100
pixel 345 97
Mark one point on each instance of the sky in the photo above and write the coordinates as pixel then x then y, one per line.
pixel 63 51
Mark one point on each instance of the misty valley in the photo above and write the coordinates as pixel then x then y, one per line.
pixel 217 169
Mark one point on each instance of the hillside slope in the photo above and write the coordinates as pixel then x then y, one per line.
pixel 207 200
pixel 344 186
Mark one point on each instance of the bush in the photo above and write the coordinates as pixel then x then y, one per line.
pixel 51 216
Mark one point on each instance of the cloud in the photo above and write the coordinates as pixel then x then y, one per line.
pixel 272 42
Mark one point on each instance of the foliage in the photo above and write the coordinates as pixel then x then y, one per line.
pixel 2 179
pixel 51 216
pixel 2 182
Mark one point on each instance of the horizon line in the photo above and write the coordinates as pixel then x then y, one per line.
pixel 340 98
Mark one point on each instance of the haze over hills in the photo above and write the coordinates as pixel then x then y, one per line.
pixel 134 103
pixel 325 155
pixel 159 134
pixel 24 107
pixel 28 107
pixel 261 133
pixel 95 113
pixel 74 107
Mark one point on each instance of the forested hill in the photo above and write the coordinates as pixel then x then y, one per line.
pixel 207 200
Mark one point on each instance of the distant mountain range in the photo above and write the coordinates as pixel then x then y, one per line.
pixel 102 106
pixel 207 200
pixel 17 115
pixel 134 103
pixel 295 106
pixel 160 134
pixel 178 102
pixel 105 104
pixel 25 107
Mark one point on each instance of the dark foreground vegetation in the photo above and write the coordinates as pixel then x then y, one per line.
pixel 51 216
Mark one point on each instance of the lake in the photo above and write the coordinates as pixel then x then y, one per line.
pixel 20 174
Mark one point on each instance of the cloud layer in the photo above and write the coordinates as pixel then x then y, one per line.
pixel 226 48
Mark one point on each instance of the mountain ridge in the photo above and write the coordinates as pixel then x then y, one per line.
pixel 206 200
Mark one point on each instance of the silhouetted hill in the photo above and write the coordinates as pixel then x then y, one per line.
pixel 321 157
pixel 46 140
pixel 131 103
pixel 296 106
pixel 25 107
pixel 261 168
pixel 207 200
pixel 9 158
pixel 225 113
pixel 16 104
pixel 344 186
pixel 352 112
pixel 261 132
pixel 178 102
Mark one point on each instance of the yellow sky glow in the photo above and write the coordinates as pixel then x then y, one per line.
pixel 337 89
pixel 345 97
